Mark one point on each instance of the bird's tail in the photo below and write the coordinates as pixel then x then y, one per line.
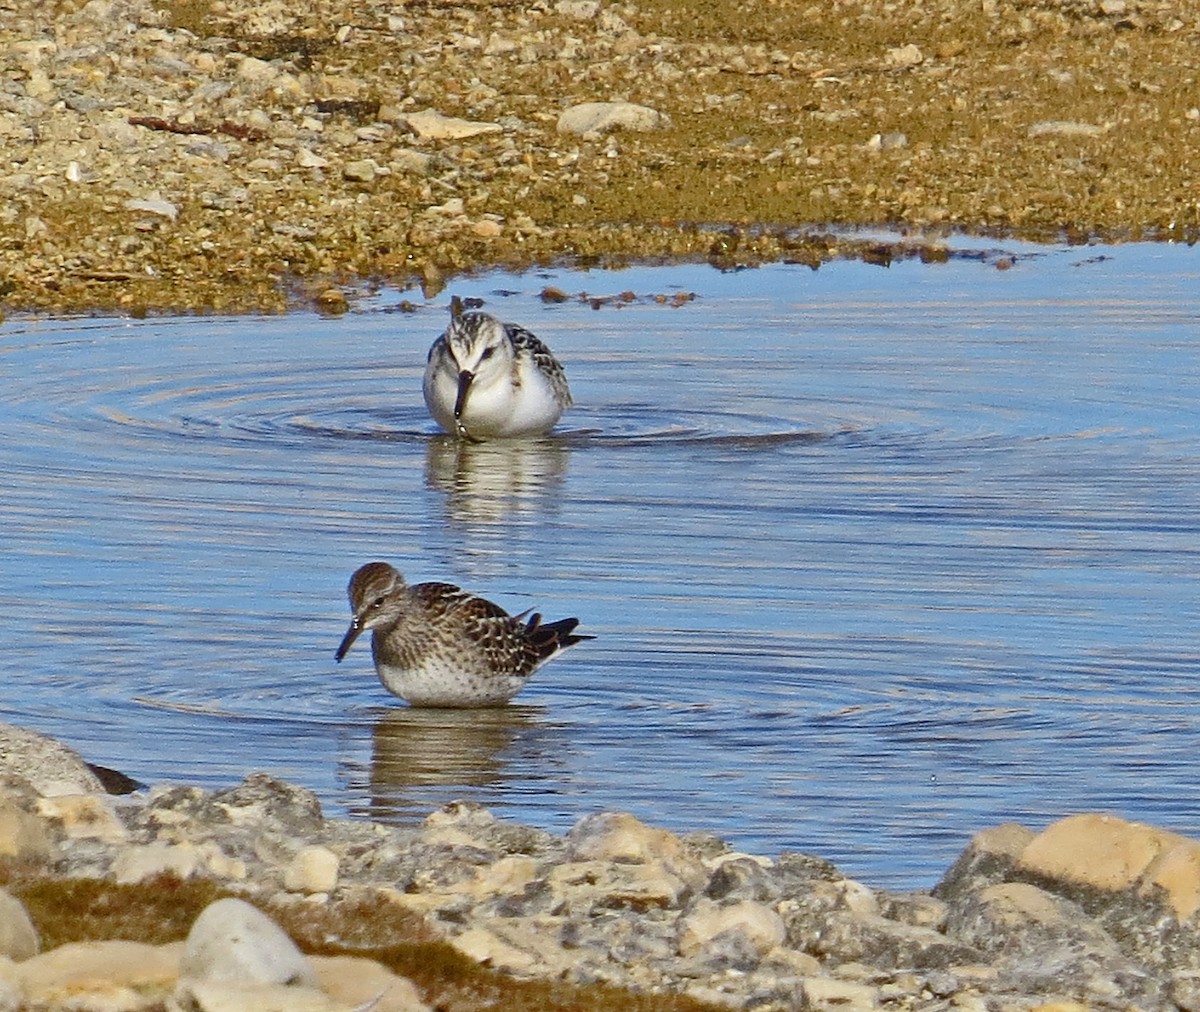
pixel 550 638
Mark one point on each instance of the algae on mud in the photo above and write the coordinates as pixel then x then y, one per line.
pixel 274 142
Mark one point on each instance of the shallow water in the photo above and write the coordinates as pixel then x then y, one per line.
pixel 875 558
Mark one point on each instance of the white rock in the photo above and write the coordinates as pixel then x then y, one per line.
pixel 600 117
pixel 50 766
pixel 761 926
pixel 619 836
pixel 85 817
pixel 408 160
pixel 235 942
pixel 1064 128
pixel 99 975
pixel 136 864
pixel 18 936
pixel 22 834
pixel 223 996
pixel 431 125
pixel 163 208
pixel 825 992
pixel 903 57
pixel 581 9
pixel 313 870
pixel 366 985
pixel 307 159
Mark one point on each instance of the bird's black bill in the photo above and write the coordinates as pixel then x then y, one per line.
pixel 464 388
pixel 348 640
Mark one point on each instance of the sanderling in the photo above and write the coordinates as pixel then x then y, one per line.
pixel 486 379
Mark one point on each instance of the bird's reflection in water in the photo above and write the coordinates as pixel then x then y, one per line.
pixel 423 757
pixel 490 483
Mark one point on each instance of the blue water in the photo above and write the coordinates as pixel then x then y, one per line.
pixel 875 557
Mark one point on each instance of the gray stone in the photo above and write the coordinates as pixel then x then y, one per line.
pixel 235 942
pixel 603 117
pixel 49 765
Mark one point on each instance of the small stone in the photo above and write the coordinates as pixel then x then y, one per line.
pixel 362 171
pixel 430 125
pixel 49 765
pixel 235 942
pixel 314 869
pixel 419 163
pixel 307 159
pixel 601 117
pixel 760 926
pixel 487 229
pixel 138 863
pixel 85 816
pixel 903 57
pixel 1064 128
pixel 155 205
pixel 98 975
pixel 18 936
pixel 581 10
pixel 845 996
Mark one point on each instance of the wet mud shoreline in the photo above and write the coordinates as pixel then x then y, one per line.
pixel 217 155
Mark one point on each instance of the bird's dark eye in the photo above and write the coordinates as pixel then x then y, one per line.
pixel 377 603
pixel 487 353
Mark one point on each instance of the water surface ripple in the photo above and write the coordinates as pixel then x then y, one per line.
pixel 874 557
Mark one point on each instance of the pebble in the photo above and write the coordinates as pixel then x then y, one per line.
pixel 233 941
pixel 18 937
pixel 432 125
pixel 602 117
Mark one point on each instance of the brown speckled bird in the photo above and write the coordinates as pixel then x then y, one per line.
pixel 434 644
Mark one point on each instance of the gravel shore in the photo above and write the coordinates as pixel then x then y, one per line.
pixel 231 156
pixel 1092 912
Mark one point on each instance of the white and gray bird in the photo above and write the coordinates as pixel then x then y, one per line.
pixel 485 379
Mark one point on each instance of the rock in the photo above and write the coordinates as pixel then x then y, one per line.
pixel 313 870
pixel 819 993
pixel 1110 854
pixel 990 857
pixel 85 816
pixel 602 117
pixel 580 9
pixel 760 927
pixel 154 205
pixel 224 996
pixel 362 171
pixel 99 975
pixel 307 159
pixel 234 942
pixel 49 765
pixel 18 936
pixel 430 125
pixel 366 985
pixel 139 863
pixel 261 797
pixel 1046 944
pixel 619 836
pixel 904 57
pixel 419 163
pixel 22 834
pixel 1065 128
